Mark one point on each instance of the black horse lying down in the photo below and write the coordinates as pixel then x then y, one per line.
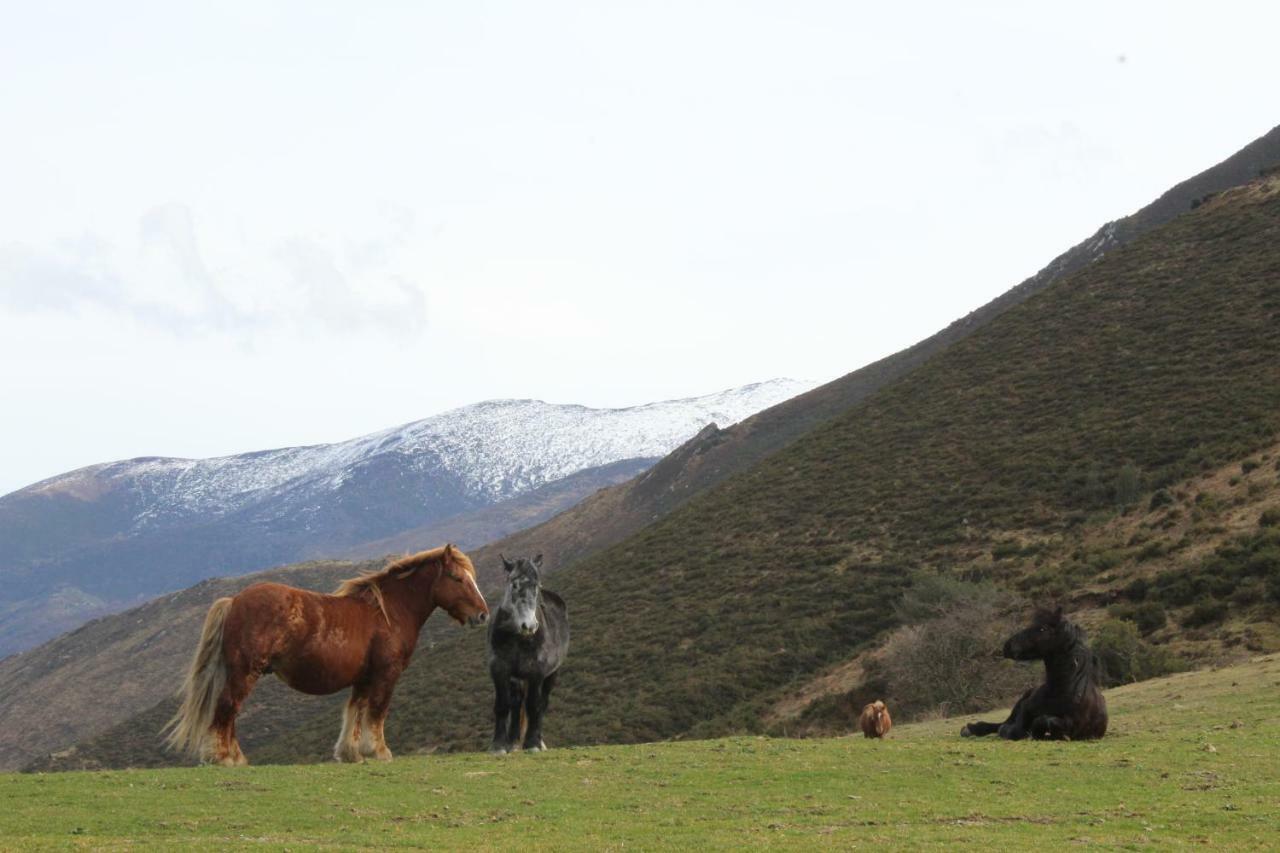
pixel 1069 705
pixel 528 641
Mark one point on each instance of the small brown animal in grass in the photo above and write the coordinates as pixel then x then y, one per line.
pixel 875 721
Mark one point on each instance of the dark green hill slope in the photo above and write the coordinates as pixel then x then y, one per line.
pixel 715 454
pixel 1162 358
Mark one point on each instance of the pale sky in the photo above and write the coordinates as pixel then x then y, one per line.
pixel 250 225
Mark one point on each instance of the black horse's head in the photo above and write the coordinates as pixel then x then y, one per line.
pixel 519 605
pixel 1047 635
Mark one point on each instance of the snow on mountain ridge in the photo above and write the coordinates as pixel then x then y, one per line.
pixel 496 448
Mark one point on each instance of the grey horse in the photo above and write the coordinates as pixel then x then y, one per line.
pixel 528 641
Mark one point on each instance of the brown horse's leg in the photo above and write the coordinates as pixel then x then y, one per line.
pixel 379 706
pixel 368 743
pixel 347 749
pixel 226 748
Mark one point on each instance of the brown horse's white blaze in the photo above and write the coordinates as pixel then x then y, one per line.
pixel 361 637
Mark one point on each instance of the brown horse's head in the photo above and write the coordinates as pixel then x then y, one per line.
pixel 456 591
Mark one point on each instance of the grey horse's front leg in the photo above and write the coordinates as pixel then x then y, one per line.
pixel 502 706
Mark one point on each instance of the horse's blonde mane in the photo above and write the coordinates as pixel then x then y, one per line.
pixel 369 584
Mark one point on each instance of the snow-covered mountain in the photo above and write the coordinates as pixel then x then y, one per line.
pixel 496 449
pixel 101 537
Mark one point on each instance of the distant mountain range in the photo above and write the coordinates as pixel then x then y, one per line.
pixel 104 537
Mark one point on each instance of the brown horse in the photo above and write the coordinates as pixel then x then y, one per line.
pixel 875 720
pixel 362 636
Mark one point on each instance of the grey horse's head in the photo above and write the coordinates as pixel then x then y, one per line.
pixel 520 601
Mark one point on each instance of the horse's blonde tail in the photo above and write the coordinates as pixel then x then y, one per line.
pixel 188 731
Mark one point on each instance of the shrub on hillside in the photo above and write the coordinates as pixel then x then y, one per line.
pixel 1205 613
pixel 932 594
pixel 1159 498
pixel 1148 616
pixel 1251 591
pixel 1124 657
pixel 1137 589
pixel 1128 485
pixel 1273 589
pixel 951 664
pixel 1270 517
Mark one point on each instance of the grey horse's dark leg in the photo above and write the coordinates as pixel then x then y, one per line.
pixel 534 703
pixel 516 690
pixel 544 699
pixel 501 710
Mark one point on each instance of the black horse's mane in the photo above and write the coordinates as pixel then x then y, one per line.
pixel 1086 669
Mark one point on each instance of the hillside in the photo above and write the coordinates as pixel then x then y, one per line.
pixel 105 537
pixel 715 454
pixel 1159 362
pixel 1188 760
pixel 613 513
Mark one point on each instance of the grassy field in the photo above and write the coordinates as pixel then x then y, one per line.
pixel 1191 759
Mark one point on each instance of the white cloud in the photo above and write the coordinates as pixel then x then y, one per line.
pixel 164 279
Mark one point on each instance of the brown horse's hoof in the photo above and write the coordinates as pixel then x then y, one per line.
pixel 383 754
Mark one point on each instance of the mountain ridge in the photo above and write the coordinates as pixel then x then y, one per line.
pixel 105 536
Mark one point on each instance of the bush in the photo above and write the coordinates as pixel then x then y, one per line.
pixel 1205 613
pixel 932 595
pixel 1128 484
pixel 1179 592
pixel 1124 657
pixel 1137 589
pixel 1249 465
pixel 1149 616
pixel 1270 517
pixel 950 664
pixel 1151 550
pixel 1250 592
pixel 1159 498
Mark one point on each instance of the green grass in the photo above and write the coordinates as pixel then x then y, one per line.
pixel 1190 760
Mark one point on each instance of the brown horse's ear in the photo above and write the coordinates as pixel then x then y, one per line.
pixel 447 555
pixel 537 561
pixel 507 565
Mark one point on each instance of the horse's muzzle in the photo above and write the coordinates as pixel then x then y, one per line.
pixel 478 619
